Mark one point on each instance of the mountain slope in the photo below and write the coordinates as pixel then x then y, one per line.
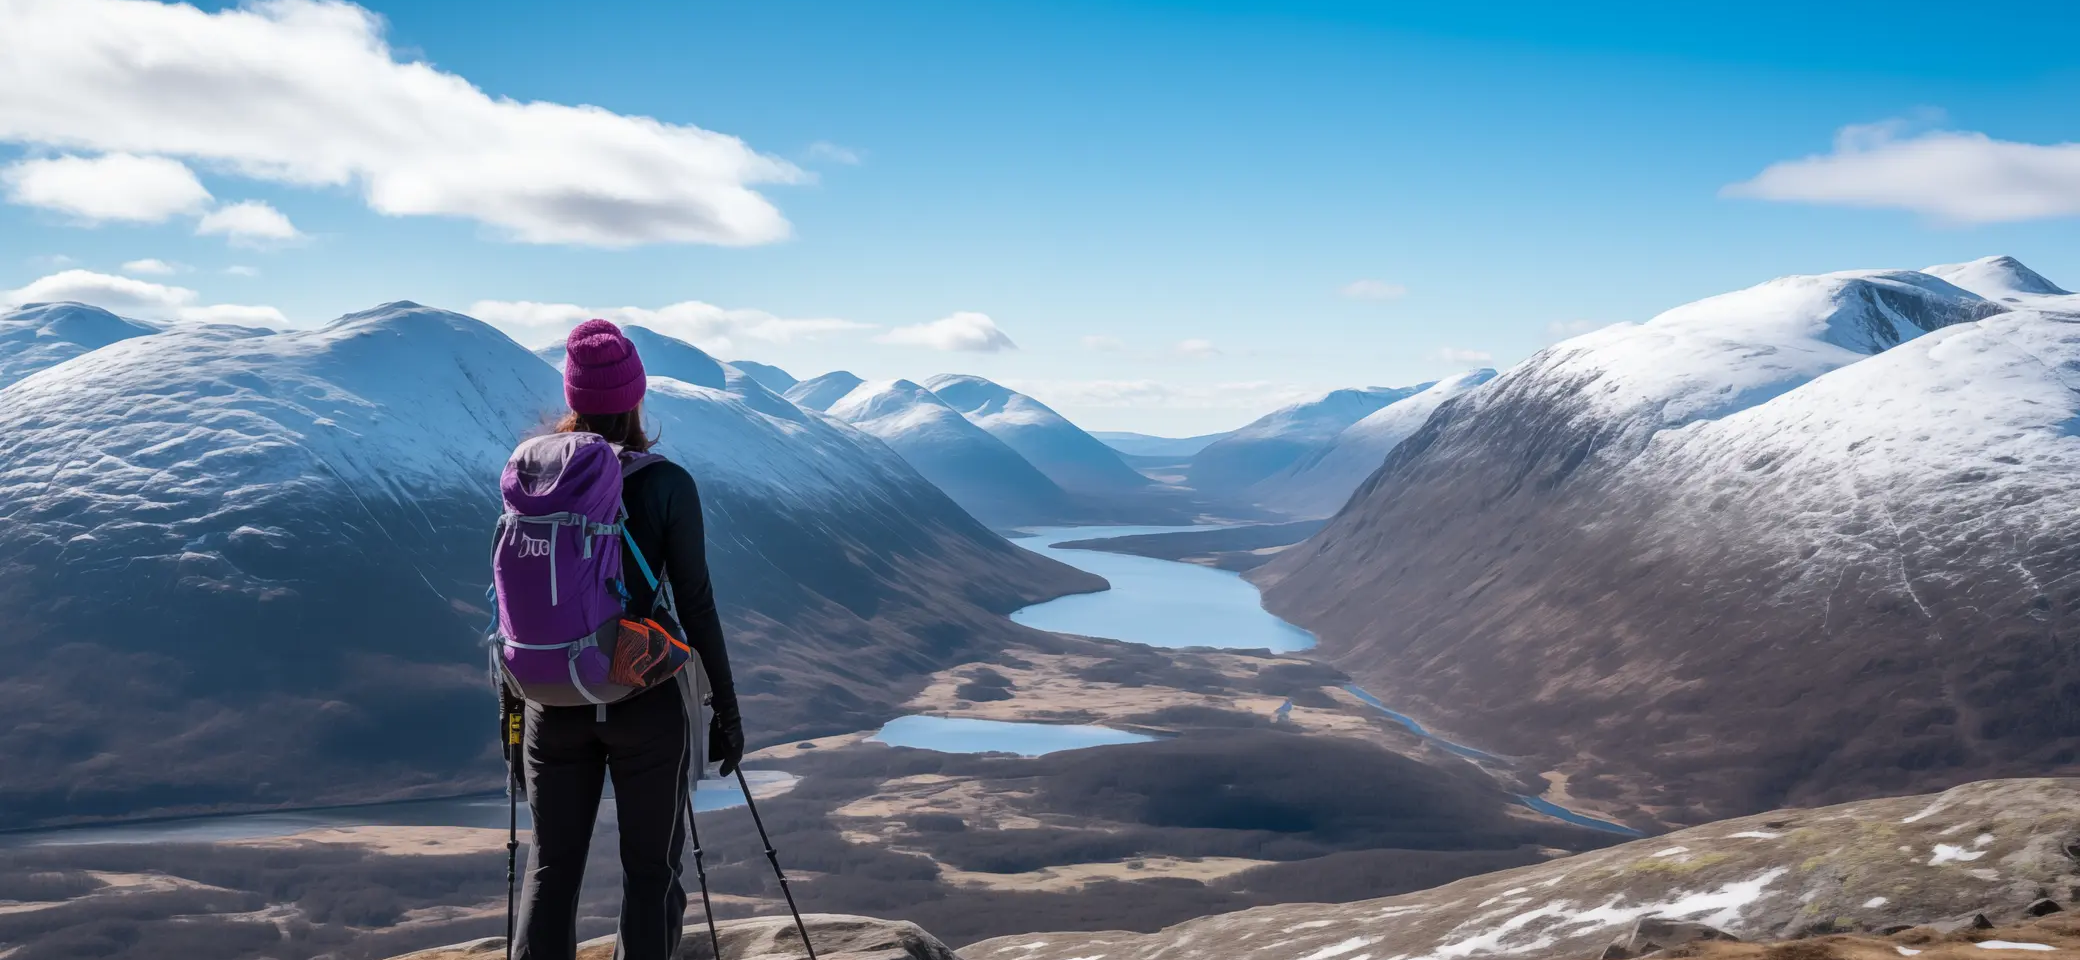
pixel 981 473
pixel 771 377
pixel 40 335
pixel 818 393
pixel 1070 457
pixel 1319 483
pixel 1276 440
pixel 1779 546
pixel 243 568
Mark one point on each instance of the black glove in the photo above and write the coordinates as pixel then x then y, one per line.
pixel 726 738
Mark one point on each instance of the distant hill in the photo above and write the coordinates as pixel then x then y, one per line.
pixel 768 376
pixel 1276 440
pixel 818 393
pixel 980 472
pixel 1070 457
pixel 1320 482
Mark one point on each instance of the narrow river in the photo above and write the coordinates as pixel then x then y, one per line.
pixel 1166 603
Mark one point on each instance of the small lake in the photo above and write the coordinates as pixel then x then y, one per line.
pixel 1161 603
pixel 488 811
pixel 964 735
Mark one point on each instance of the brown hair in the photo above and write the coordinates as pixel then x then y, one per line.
pixel 625 429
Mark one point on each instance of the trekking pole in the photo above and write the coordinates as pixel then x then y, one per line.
pixel 700 871
pixel 512 751
pixel 774 859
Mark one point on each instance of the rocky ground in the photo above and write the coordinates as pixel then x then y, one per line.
pixel 835 937
pixel 1948 874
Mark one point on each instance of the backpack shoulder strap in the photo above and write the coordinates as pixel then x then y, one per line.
pixel 632 462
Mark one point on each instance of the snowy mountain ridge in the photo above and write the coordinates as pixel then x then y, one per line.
pixel 39 335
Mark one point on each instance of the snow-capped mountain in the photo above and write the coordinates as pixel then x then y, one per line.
pixel 979 471
pixel 818 393
pixel 243 567
pixel 1276 440
pixel 1804 541
pixel 1319 483
pixel 1070 457
pixel 43 335
pixel 1997 278
pixel 771 377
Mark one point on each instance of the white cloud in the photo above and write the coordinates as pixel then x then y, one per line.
pixel 1955 176
pixel 241 270
pixel 964 332
pixel 136 298
pixel 117 186
pixel 150 266
pixel 309 93
pixel 830 152
pixel 1372 290
pixel 705 325
pixel 1263 395
pixel 1104 344
pixel 248 223
pixel 1457 355
pixel 1198 349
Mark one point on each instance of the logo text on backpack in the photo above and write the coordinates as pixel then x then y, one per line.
pixel 530 547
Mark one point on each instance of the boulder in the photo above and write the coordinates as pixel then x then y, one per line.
pixel 1649 934
pixel 835 936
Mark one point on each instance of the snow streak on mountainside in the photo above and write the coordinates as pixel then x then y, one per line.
pixel 771 377
pixel 818 393
pixel 1060 449
pixel 1276 440
pixel 1806 541
pixel 980 472
pixel 280 539
pixel 43 335
pixel 1319 483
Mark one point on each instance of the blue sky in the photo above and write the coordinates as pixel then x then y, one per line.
pixel 1160 204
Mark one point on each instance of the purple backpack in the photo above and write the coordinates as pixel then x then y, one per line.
pixel 564 636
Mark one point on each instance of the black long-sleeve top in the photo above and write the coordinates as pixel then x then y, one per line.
pixel 664 517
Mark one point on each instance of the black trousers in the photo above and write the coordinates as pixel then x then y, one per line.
pixel 643 745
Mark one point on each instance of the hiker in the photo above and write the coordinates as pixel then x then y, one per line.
pixel 643 741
